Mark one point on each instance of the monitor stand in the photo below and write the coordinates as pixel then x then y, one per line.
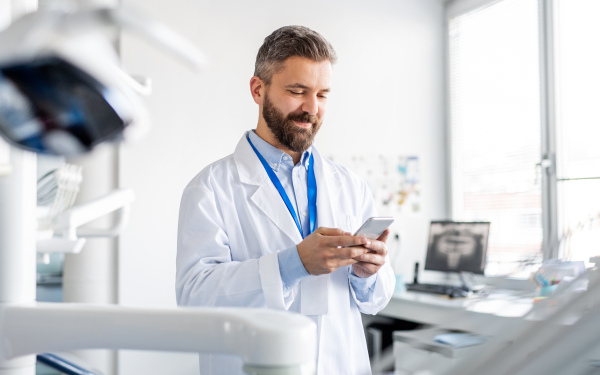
pixel 469 283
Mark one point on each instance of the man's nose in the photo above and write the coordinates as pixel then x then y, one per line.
pixel 311 105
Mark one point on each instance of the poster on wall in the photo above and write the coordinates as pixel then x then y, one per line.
pixel 393 180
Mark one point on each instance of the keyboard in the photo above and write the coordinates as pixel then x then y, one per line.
pixel 442 289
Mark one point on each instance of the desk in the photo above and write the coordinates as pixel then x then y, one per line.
pixel 485 314
pixel 560 336
pixel 478 314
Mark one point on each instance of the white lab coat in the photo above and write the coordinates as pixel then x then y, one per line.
pixel 232 223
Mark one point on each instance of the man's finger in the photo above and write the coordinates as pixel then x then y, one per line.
pixel 333 264
pixel 377 247
pixel 351 252
pixel 384 236
pixel 344 241
pixel 371 259
pixel 331 231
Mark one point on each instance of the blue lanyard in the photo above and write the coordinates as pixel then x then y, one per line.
pixel 312 191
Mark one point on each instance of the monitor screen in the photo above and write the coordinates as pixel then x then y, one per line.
pixel 457 246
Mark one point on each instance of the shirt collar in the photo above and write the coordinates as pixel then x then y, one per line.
pixel 275 156
pixel 305 158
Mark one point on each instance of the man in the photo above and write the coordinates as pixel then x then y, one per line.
pixel 269 226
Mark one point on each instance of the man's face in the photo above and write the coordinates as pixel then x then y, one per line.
pixel 295 102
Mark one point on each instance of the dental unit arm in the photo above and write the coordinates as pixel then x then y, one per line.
pixel 65 54
pixel 268 341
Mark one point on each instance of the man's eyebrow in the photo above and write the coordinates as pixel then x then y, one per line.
pixel 304 87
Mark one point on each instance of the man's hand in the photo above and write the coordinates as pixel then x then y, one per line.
pixel 369 263
pixel 326 249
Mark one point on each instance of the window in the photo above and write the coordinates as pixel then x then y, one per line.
pixel 577 77
pixel 495 128
pixel 523 80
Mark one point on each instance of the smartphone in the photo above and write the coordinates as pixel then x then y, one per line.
pixel 374 226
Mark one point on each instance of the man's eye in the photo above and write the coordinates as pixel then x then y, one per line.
pixel 323 96
pixel 296 92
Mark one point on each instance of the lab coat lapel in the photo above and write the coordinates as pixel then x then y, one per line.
pixel 315 289
pixel 266 197
pixel 328 180
pixel 270 203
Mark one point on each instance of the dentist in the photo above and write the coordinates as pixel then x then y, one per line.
pixel 269 226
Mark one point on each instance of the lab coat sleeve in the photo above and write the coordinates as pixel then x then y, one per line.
pixel 381 292
pixel 206 274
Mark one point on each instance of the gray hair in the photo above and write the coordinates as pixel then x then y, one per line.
pixel 289 41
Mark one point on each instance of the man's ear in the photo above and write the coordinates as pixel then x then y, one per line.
pixel 257 89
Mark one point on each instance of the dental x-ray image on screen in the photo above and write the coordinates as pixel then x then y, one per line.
pixel 457 246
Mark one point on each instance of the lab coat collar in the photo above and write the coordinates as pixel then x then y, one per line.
pixel 252 172
pixel 248 163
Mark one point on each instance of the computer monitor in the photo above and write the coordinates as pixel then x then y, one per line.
pixel 457 246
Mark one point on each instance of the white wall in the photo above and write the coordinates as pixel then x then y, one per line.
pixel 387 97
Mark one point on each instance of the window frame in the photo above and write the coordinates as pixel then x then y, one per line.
pixel 547 163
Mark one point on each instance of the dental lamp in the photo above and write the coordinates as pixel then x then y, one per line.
pixel 62 92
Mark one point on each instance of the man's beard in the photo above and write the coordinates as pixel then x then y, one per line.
pixel 288 134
